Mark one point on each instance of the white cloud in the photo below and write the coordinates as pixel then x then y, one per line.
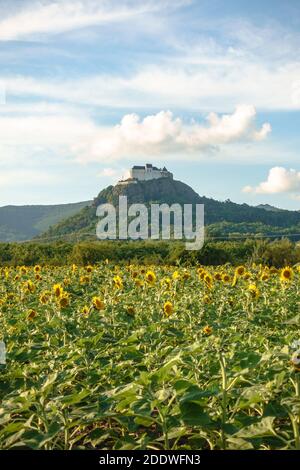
pixel 279 180
pixel 162 134
pixel 52 17
pixel 46 130
pixel 170 85
pixel 25 177
pixel 79 137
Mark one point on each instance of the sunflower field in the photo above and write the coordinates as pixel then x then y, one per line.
pixel 134 357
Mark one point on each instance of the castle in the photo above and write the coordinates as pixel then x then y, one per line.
pixel 146 173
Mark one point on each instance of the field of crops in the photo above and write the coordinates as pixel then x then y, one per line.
pixel 137 357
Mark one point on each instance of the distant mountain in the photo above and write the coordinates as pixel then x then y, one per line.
pixel 25 222
pixel 219 215
pixel 267 207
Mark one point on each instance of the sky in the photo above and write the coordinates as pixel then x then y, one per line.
pixel 208 88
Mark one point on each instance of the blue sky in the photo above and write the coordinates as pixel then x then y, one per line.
pixel 211 89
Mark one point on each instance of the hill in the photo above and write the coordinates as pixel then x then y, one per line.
pixel 25 222
pixel 268 207
pixel 218 214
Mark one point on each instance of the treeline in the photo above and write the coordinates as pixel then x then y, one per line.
pixel 273 253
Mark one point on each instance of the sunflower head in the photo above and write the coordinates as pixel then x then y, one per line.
pixel 150 277
pixel 64 301
pixel 207 299
pixel 98 304
pixel 44 297
pixel 84 279
pixel 240 270
pixel 218 276
pixel 286 274
pixel 168 308
pixel 130 310
pixel 85 310
pixel 207 330
pixel 253 291
pixel 31 314
pixel 58 290
pixel 226 278
pixel 118 283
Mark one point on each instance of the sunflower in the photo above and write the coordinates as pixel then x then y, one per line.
pixel 64 300
pixel 118 282
pixel 226 278
pixel 167 282
pixel 130 310
pixel 37 268
pixel 98 304
pixel 168 308
pixel 207 330
pixel 89 268
pixel 218 276
pixel 286 274
pixel 240 270
pixel 207 299
pixel 58 290
pixel 84 279
pixel 208 280
pixel 85 310
pixel 23 270
pixel 150 277
pixel 253 290
pixel 29 286
pixel 31 314
pixel 44 297
pixel 176 276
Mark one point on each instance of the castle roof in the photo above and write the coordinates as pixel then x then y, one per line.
pixel 148 165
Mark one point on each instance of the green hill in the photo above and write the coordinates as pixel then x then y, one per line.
pixel 221 218
pixel 25 222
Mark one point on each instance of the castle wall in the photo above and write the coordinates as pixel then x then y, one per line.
pixel 148 174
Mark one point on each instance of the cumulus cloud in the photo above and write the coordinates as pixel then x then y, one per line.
pixel 163 134
pixel 78 136
pixel 279 180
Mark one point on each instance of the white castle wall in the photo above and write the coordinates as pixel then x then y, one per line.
pixel 148 174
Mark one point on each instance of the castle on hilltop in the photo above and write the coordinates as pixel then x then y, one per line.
pixel 146 173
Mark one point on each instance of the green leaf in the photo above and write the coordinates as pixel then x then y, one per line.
pixel 263 427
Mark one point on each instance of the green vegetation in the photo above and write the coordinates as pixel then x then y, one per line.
pixel 273 253
pixel 109 357
pixel 26 222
